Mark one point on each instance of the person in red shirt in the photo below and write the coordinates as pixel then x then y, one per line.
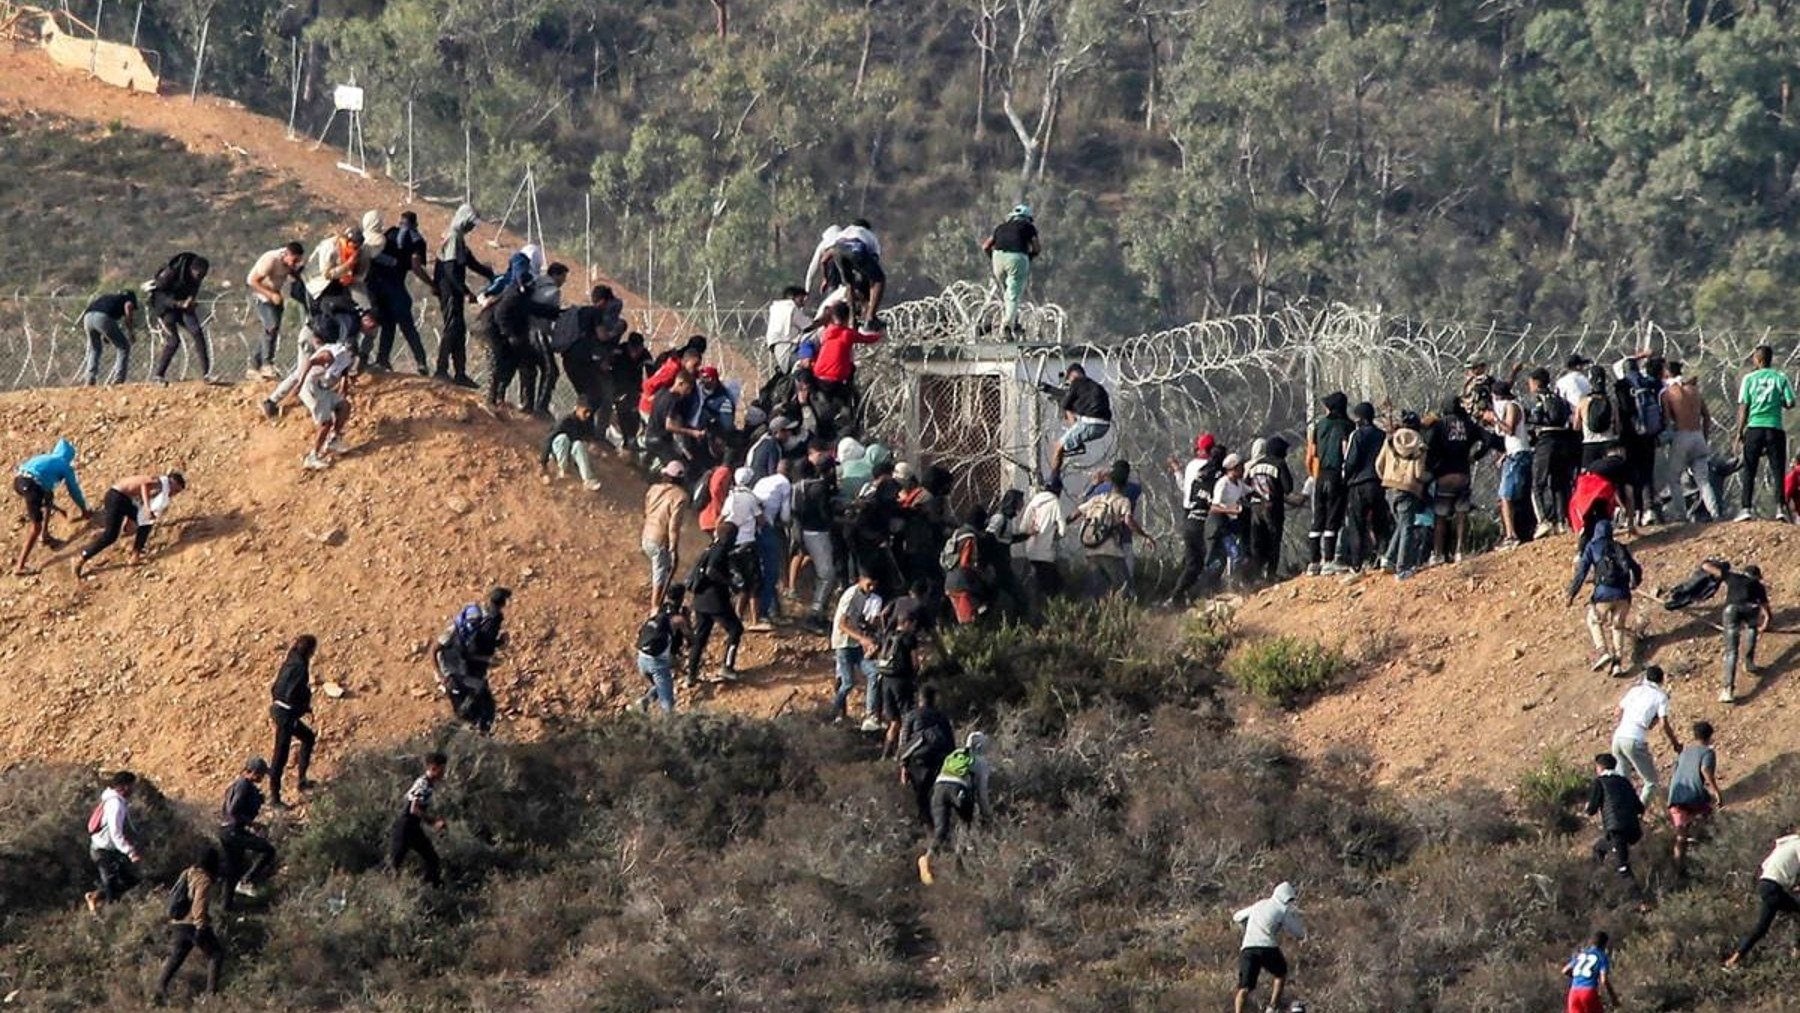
pixel 1790 488
pixel 718 485
pixel 834 371
pixel 687 360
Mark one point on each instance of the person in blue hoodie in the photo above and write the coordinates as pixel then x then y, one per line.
pixel 1616 572
pixel 36 484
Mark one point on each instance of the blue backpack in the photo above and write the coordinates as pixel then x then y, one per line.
pixel 1646 400
pixel 469 624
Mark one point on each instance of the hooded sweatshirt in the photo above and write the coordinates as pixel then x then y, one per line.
pixel 1618 586
pixel 1401 463
pixel 854 468
pixel 55 468
pixel 1265 920
pixel 454 258
pixel 1330 432
pixel 1447 449
pixel 1268 476
pixel 1366 442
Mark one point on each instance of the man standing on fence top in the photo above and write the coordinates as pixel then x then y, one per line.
pixel 1764 394
pixel 1011 248
pixel 271 280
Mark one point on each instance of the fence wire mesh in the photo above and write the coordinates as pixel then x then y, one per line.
pixel 942 387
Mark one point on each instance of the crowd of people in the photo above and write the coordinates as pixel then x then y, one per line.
pixel 808 522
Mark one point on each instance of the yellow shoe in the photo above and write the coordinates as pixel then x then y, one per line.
pixel 925 870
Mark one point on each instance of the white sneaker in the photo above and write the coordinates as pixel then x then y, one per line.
pixel 1725 696
pixel 246 890
pixel 591 485
pixel 314 462
pixel 1744 515
pixel 338 446
pixel 1543 530
pixel 873 724
pixel 562 470
pixel 1603 661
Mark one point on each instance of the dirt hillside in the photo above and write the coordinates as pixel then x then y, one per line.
pixel 167 667
pixel 1477 670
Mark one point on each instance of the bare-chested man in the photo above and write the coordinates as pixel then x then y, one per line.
pixel 1688 420
pixel 139 501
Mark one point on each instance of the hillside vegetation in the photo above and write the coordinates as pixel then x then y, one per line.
pixel 721 863
pixel 1544 161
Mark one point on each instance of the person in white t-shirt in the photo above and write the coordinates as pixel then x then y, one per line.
pixel 788 322
pixel 1515 463
pixel 776 494
pixel 745 512
pixel 1225 520
pixel 324 390
pixel 1044 527
pixel 1573 385
pixel 1775 883
pixel 1643 708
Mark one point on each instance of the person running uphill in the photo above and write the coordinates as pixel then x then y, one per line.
pixel 1620 810
pixel 112 841
pixel 190 923
pixel 408 833
pixel 1694 789
pixel 1775 884
pixel 238 836
pixel 1615 574
pixel 36 483
pixel 139 501
pixel 290 704
pixel 1644 707
pixel 1264 924
pixel 1746 616
pixel 1589 971
pixel 960 791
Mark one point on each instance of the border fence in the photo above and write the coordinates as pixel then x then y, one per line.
pixel 941 387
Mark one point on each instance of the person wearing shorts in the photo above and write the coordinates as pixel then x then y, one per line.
pixel 1588 972
pixel 321 391
pixel 35 482
pixel 1693 789
pixel 1086 407
pixel 1264 924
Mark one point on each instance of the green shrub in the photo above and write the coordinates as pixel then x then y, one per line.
pixel 1285 670
pixel 1547 792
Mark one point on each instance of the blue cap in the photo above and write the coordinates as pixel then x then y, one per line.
pixel 807 350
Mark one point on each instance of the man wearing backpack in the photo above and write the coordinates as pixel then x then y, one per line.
pixel 174 301
pixel 1615 574
pixel 1599 418
pixel 1556 453
pixel 1640 425
pixel 112 841
pixel 1108 516
pixel 190 923
pixel 926 737
pixel 464 654
pixel 238 836
pixel 1401 465
pixel 960 792
pixel 1762 397
pixel 710 583
pixel 1325 440
pixel 660 641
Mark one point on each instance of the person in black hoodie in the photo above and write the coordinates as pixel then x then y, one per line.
pixel 174 301
pixel 1325 441
pixel 710 585
pixel 238 836
pixel 292 702
pixel 510 318
pixel 570 438
pixel 1271 492
pixel 451 281
pixel 1621 812
pixel 1368 522
pixel 1451 447
pixel 1194 482
pixel 926 737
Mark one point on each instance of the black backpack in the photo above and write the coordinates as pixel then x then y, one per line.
pixel 1613 569
pixel 181 899
pixel 1551 411
pixel 656 635
pixel 1600 414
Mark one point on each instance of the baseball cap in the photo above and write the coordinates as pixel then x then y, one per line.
pixel 1577 361
pixel 781 424
pixel 674 469
pixel 1204 443
pixel 1231 461
pixel 744 476
pixel 709 372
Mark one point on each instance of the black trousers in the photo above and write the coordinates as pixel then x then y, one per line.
pixel 1553 465
pixel 184 939
pixel 593 385
pixel 472 700
pixel 394 309
pixel 408 835
pixel 1047 577
pixel 949 801
pixel 114 512
pixel 1266 524
pixel 1618 842
pixel 1370 524
pixel 1328 505
pixel 1762 443
pixel 920 773
pixel 1193 556
pixel 544 359
pixel 237 843
pixel 289 727
pixel 703 627
pixel 118 873
pixel 175 319
pixel 1773 900
pixel 453 352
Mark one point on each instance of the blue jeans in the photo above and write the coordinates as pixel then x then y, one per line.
pixel 662 681
pixel 772 549
pixel 1402 547
pixel 849 661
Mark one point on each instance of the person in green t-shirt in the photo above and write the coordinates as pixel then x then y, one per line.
pixel 1762 397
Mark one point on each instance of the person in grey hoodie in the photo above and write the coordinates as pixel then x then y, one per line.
pixel 1264 923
